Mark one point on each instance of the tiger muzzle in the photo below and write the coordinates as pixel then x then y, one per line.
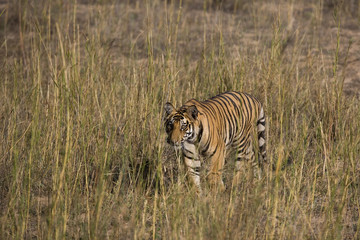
pixel 176 144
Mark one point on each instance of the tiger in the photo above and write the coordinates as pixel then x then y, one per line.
pixel 209 130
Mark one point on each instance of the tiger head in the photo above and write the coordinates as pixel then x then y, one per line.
pixel 181 124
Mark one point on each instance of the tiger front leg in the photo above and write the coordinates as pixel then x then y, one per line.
pixel 193 164
pixel 217 161
pixel 193 167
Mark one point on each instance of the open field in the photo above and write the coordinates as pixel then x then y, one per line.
pixel 82 143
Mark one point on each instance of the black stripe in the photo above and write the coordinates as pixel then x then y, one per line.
pixel 228 122
pixel 261 121
pixel 241 102
pixel 212 154
pixel 209 108
pixel 200 132
pixel 237 97
pixel 188 151
pixel 207 145
pixel 246 105
pixel 191 158
pixel 191 136
pixel 241 147
pixel 229 118
pixel 218 110
pixel 253 98
pixel 194 173
pixel 261 135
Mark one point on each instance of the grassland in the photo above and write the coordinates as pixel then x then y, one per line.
pixel 82 146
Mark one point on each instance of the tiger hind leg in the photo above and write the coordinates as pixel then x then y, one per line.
pixel 246 156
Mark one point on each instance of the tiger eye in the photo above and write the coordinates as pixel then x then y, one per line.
pixel 184 125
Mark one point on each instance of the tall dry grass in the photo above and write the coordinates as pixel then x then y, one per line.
pixel 82 149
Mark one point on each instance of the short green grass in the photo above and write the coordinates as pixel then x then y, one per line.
pixel 82 144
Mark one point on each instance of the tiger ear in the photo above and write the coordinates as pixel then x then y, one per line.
pixel 169 108
pixel 192 111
